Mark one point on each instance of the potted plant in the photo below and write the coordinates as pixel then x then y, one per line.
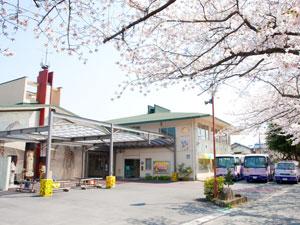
pixel 184 172
pixel 227 192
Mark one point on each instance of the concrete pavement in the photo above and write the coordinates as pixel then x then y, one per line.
pixel 269 204
pixel 150 204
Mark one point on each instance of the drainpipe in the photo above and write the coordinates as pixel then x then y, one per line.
pixel 175 155
pixel 193 150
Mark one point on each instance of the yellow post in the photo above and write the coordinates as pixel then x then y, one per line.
pixel 174 177
pixel 110 181
pixel 46 189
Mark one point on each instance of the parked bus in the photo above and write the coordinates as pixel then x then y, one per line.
pixel 287 171
pixel 232 162
pixel 257 167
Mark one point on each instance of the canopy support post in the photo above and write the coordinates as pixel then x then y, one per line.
pixel 111 152
pixel 111 179
pixel 46 189
pixel 49 143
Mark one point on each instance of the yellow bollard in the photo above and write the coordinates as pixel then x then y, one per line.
pixel 46 189
pixel 174 177
pixel 110 181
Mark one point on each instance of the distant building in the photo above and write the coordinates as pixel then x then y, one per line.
pixel 238 148
pixel 260 148
pixel 193 134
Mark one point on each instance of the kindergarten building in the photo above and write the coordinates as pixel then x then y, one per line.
pixel 153 144
pixel 79 147
pixel 192 133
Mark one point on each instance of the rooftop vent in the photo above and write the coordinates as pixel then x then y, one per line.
pixel 157 109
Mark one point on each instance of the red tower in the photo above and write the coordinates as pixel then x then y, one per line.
pixel 43 96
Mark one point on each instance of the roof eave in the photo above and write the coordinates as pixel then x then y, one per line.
pixel 162 120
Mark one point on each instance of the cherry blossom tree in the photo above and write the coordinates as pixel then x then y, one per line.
pixel 200 43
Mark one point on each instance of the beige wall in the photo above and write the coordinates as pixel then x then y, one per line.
pixel 184 134
pixel 66 162
pixel 13 92
pixel 189 149
pixel 55 98
pixel 156 154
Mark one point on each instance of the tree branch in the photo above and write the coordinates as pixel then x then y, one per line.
pixel 205 19
pixel 122 31
pixel 53 7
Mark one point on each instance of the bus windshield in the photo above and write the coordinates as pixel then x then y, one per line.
pixel 255 162
pixel 225 162
pixel 285 166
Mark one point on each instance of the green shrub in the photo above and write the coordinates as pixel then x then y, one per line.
pixel 209 187
pixel 148 177
pixel 164 178
pixel 184 172
pixel 228 178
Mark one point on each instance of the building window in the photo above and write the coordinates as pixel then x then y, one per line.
pixel 188 156
pixel 217 135
pixel 148 164
pixel 202 132
pixel 170 131
pixel 224 139
pixel 205 165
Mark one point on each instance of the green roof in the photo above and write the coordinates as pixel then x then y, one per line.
pixel 157 117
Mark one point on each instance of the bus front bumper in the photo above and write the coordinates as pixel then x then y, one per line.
pixel 286 179
pixel 256 178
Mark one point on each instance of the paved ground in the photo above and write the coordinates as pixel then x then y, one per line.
pixel 152 204
pixel 268 204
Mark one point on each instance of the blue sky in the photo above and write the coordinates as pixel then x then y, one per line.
pixel 88 89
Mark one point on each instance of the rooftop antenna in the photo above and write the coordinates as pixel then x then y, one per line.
pixel 45 64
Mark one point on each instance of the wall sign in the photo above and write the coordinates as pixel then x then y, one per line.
pixel 161 167
pixel 184 143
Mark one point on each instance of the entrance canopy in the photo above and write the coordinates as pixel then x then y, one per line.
pixel 72 130
pixel 78 131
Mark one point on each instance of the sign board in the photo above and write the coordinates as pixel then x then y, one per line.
pixel 4 173
pixel 161 167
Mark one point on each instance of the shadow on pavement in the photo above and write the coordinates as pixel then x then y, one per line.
pixel 279 209
pixel 194 209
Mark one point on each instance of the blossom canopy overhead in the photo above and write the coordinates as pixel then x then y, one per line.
pixel 200 43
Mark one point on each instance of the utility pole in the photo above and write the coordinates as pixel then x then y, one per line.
pixel 212 102
pixel 214 147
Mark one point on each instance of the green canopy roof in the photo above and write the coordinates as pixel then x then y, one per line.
pixel 157 117
pixel 158 114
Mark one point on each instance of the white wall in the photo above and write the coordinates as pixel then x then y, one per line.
pixel 13 92
pixel 18 120
pixel 16 149
pixel 156 154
